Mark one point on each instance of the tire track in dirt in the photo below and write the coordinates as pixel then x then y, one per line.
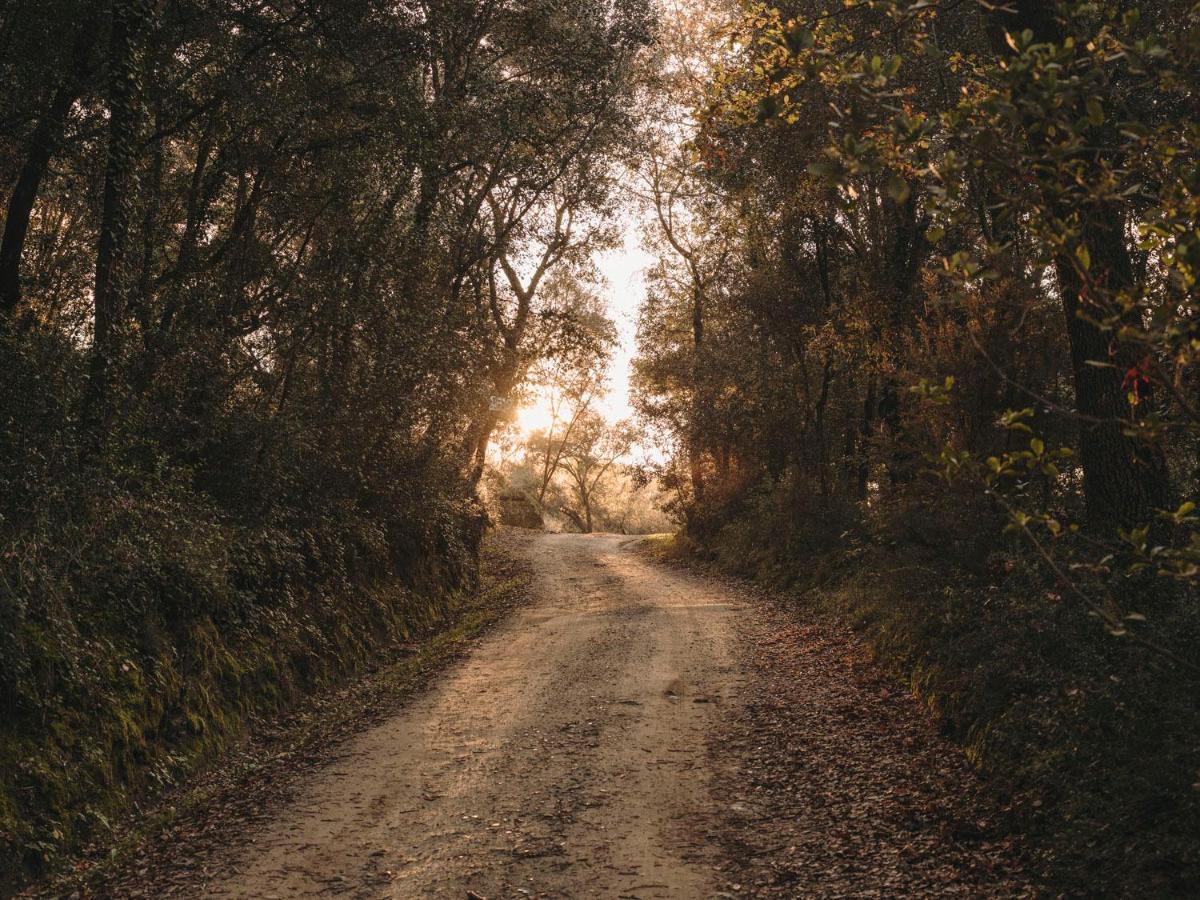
pixel 564 758
pixel 636 731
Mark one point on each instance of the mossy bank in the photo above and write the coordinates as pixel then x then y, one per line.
pixel 115 712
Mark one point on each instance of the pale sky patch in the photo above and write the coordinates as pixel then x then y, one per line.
pixel 623 269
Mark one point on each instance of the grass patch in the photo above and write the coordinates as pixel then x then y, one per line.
pixel 667 548
pixel 243 748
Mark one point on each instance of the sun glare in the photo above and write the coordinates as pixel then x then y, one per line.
pixel 534 417
pixel 622 268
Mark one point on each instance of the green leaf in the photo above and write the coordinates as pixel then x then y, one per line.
pixel 1084 256
pixel 827 169
pixel 897 188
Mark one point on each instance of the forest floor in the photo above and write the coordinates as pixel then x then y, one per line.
pixel 634 731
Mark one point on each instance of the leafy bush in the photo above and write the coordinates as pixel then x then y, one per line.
pixel 148 612
pixel 1087 742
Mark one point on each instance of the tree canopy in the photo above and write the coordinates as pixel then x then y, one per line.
pixel 920 335
pixel 270 276
pixel 926 304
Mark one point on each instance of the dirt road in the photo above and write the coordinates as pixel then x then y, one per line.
pixel 634 732
pixel 566 757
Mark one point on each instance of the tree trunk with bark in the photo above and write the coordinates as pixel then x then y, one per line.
pixel 46 138
pixel 1125 479
pixel 129 21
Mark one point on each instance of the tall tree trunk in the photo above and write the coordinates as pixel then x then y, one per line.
pixel 1125 479
pixel 479 434
pixel 42 145
pixel 864 440
pixel 819 424
pixel 120 182
pixel 848 466
pixel 695 442
pixel 144 295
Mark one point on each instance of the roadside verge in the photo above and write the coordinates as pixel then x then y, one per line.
pixel 156 851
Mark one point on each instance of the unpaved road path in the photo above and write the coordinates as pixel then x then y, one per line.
pixel 565 757
pixel 637 732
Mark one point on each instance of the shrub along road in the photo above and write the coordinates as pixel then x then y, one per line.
pixel 636 731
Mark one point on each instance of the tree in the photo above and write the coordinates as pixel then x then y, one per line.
pixel 901 221
pixel 589 457
pixel 949 363
pixel 569 385
pixel 270 275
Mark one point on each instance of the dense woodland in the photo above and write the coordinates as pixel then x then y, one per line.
pixel 271 273
pixel 923 342
pixel 919 347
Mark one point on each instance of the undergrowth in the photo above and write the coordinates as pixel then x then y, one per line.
pixel 149 718
pixel 275 747
pixel 154 603
pixel 1088 742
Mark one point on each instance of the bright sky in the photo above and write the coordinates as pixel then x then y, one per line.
pixel 694 41
pixel 622 268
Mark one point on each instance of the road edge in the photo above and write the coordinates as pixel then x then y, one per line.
pixel 159 847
